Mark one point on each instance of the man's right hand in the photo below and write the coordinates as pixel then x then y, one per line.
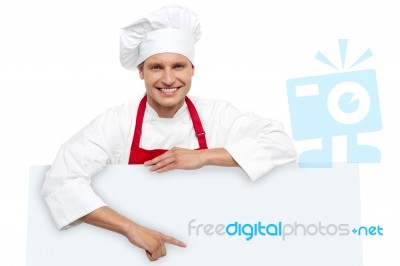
pixel 151 241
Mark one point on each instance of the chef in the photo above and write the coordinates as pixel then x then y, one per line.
pixel 164 130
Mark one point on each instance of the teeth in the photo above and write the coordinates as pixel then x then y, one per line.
pixel 169 90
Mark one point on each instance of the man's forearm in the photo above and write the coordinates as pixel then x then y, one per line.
pixel 151 241
pixel 107 218
pixel 218 157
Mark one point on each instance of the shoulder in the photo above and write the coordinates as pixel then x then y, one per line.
pixel 213 105
pixel 112 120
pixel 125 109
pixel 219 109
pixel 116 116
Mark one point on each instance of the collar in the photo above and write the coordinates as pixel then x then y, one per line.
pixel 182 114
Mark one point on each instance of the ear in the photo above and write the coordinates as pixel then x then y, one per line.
pixel 193 70
pixel 140 68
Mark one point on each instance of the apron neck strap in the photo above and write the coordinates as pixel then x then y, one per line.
pixel 198 127
pixel 139 122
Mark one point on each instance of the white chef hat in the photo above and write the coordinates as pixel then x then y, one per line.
pixel 172 29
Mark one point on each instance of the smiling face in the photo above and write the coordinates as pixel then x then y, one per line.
pixel 167 78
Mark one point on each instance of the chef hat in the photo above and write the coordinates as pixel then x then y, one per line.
pixel 172 29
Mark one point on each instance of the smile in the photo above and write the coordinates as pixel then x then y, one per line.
pixel 168 90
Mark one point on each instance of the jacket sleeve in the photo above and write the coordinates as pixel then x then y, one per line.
pixel 66 189
pixel 257 144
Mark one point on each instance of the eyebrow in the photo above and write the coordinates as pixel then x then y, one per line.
pixel 155 63
pixel 150 64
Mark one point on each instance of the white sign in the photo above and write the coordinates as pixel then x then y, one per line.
pixel 291 216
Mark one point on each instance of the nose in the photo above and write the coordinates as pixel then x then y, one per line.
pixel 168 77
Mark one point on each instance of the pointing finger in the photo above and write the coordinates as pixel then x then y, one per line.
pixel 174 241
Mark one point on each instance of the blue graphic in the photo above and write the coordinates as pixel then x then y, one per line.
pixel 325 106
pixel 368 231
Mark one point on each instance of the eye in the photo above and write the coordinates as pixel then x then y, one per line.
pixel 155 67
pixel 179 66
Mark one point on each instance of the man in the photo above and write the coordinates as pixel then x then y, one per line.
pixel 166 130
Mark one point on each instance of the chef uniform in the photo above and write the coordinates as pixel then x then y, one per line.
pixel 133 133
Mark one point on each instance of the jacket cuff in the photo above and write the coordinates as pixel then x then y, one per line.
pixel 248 155
pixel 71 202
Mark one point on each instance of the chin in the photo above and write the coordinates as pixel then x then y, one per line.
pixel 170 102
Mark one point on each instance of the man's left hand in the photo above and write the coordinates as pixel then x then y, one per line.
pixel 178 158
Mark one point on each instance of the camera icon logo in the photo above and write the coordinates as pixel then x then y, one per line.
pixel 326 106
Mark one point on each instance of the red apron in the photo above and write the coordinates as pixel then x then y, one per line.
pixel 139 155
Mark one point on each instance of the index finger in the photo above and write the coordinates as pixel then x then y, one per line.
pixel 174 241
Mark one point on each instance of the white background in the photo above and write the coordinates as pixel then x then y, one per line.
pixel 59 68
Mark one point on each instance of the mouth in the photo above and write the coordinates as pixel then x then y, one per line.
pixel 169 91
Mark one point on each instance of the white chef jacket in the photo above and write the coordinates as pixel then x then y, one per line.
pixel 256 144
